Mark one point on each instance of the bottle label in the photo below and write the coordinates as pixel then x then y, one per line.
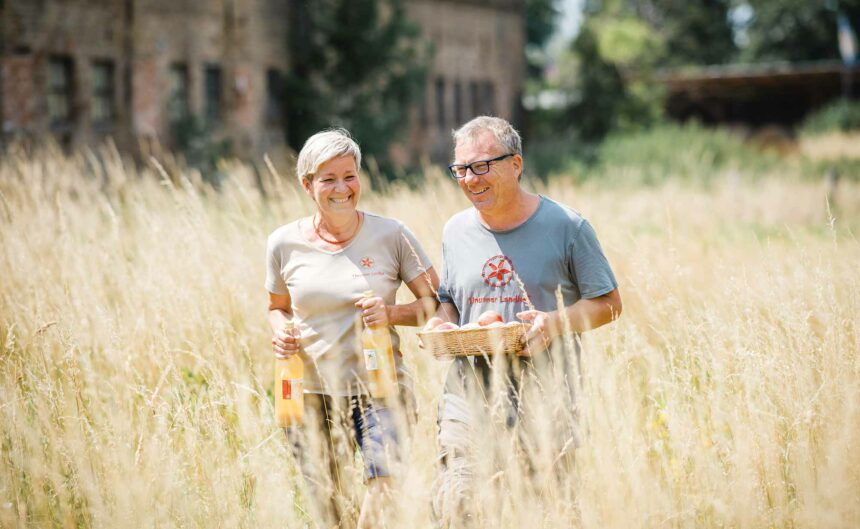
pixel 371 361
pixel 291 388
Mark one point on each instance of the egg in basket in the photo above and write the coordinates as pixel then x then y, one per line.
pixel 489 336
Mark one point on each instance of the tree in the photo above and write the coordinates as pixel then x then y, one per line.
pixel 620 45
pixel 541 17
pixel 359 64
pixel 694 31
pixel 796 30
pixel 600 89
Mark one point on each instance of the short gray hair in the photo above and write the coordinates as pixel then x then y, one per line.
pixel 324 146
pixel 505 134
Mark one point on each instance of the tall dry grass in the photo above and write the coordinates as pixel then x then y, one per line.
pixel 135 364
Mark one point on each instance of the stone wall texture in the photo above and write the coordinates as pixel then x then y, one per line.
pixel 169 58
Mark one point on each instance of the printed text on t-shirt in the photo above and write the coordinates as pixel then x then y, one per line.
pixel 519 298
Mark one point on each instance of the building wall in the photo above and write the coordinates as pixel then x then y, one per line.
pixel 142 39
pixel 478 67
pixel 37 31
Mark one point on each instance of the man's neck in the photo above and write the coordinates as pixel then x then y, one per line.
pixel 513 215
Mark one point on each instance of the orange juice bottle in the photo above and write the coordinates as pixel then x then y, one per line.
pixel 289 382
pixel 379 359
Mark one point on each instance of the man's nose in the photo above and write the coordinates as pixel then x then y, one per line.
pixel 470 177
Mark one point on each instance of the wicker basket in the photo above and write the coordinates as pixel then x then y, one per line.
pixel 474 342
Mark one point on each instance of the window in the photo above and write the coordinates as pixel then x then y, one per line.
pixel 274 97
pixel 60 91
pixel 177 99
pixel 458 103
pixel 212 82
pixel 423 118
pixel 103 108
pixel 489 98
pixel 440 102
pixel 475 97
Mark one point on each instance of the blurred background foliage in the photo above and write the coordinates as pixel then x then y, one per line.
pixel 362 64
pixel 603 85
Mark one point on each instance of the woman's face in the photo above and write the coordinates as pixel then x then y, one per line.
pixel 335 187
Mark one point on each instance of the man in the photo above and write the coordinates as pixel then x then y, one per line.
pixel 529 258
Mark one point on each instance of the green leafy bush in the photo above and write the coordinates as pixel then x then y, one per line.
pixel 688 152
pixel 840 116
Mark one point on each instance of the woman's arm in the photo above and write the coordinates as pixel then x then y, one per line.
pixel 376 313
pixel 422 309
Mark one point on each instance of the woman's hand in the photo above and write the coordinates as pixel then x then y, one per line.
pixel 285 343
pixel 374 312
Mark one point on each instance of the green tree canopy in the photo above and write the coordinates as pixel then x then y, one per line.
pixel 359 64
pixel 795 30
pixel 541 16
pixel 693 31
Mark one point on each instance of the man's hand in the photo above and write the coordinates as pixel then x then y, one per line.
pixel 374 312
pixel 540 334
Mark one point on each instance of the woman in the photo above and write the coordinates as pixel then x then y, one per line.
pixel 318 269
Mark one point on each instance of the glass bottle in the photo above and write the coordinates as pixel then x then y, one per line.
pixel 379 359
pixel 289 382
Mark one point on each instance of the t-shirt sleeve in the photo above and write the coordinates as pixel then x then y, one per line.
pixel 274 280
pixel 413 259
pixel 589 265
pixel 443 293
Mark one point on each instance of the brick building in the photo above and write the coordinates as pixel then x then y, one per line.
pixel 478 68
pixel 84 70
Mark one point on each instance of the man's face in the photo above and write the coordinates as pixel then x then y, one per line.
pixel 494 192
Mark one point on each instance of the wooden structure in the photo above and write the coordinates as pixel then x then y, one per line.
pixel 757 94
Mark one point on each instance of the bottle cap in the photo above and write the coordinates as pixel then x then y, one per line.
pixel 289 325
pixel 367 294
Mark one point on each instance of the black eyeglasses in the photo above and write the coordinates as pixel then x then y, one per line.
pixel 478 168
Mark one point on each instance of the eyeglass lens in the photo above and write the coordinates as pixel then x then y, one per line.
pixel 477 168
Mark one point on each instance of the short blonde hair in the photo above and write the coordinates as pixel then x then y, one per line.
pixel 324 146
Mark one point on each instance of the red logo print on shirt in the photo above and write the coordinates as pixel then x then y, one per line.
pixel 498 271
pixel 367 262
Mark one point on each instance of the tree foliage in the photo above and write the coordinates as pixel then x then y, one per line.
pixel 623 42
pixel 359 64
pixel 796 30
pixel 605 100
pixel 665 33
pixel 541 16
pixel 693 31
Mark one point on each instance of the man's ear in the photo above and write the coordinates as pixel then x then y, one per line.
pixel 518 165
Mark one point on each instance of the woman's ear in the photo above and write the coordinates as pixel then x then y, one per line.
pixel 306 184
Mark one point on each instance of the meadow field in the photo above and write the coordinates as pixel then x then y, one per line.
pixel 136 368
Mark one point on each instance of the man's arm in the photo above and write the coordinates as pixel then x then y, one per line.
pixel 582 316
pixel 588 314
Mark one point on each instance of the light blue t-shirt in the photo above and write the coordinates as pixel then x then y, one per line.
pixel 485 269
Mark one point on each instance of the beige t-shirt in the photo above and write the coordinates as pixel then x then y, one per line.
pixel 324 287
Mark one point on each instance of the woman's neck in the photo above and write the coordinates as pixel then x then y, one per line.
pixel 336 230
pixel 338 225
